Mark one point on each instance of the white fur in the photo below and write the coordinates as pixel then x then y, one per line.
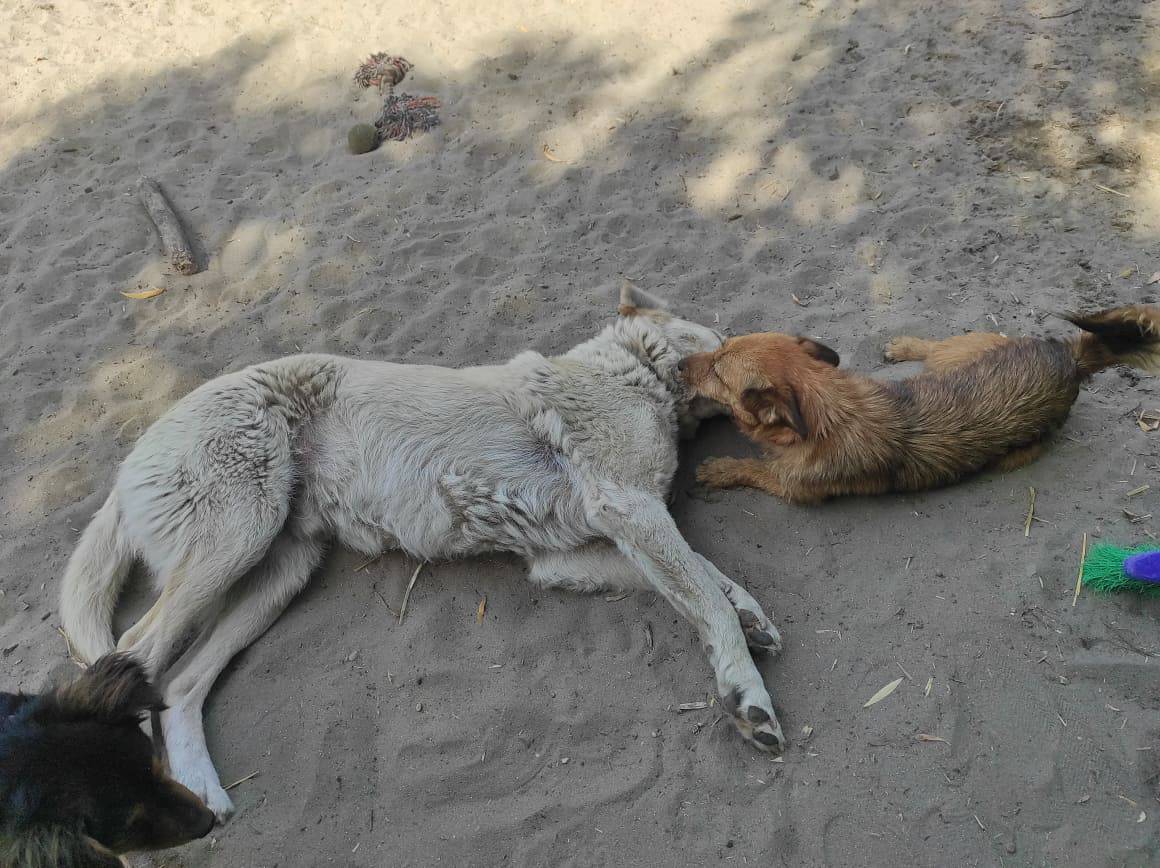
pixel 566 461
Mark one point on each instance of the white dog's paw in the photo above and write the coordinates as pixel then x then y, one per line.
pixel 760 634
pixel 218 801
pixel 752 712
pixel 194 770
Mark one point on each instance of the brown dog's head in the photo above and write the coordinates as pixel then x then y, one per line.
pixel 765 380
pixel 79 780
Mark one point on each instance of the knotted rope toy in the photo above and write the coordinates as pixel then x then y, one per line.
pixel 402 116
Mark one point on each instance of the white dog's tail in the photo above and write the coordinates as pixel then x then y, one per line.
pixel 92 583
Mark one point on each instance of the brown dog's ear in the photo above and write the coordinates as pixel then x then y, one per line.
pixel 115 689
pixel 776 405
pixel 819 351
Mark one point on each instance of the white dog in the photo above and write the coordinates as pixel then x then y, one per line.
pixel 231 497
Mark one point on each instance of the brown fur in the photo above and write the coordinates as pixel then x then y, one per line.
pixel 984 402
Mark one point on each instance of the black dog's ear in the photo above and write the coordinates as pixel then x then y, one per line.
pixel 819 351
pixel 115 689
pixel 56 846
pixel 776 405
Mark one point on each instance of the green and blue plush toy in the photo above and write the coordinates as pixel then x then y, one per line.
pixel 1110 568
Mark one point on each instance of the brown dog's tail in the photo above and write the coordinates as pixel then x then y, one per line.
pixel 1127 335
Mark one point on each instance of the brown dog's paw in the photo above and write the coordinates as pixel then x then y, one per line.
pixel 719 473
pixel 754 718
pixel 902 349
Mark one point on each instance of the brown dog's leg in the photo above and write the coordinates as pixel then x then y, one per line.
pixel 1018 457
pixel 946 354
pixel 908 349
pixel 737 472
pixel 755 473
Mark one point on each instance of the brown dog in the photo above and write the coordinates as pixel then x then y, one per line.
pixel 985 402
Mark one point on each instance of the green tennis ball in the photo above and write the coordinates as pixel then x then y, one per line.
pixel 362 138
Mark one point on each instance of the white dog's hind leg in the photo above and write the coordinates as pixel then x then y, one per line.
pixel 209 567
pixel 593 567
pixel 642 528
pixel 254 603
pixel 759 630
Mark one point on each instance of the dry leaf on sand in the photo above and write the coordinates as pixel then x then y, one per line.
pixel 883 693
pixel 551 156
pixel 145 293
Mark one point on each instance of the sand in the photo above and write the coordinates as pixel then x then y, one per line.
pixel 848 170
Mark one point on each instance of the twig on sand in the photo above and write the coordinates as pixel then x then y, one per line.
pixel 407 595
pixel 385 603
pixel 69 648
pixel 367 563
pixel 168 226
pixel 1030 512
pixel 1113 192
pixel 1079 577
pixel 1061 14
pixel 240 781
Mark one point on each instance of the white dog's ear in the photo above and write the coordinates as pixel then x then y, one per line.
pixel 633 299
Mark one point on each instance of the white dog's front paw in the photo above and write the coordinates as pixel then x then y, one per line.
pixel 760 634
pixel 218 801
pixel 753 715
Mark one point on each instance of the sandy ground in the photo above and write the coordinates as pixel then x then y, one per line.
pixel 895 166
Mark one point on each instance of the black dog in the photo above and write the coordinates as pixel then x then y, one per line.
pixel 79 780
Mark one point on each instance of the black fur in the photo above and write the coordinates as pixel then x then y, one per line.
pixel 79 781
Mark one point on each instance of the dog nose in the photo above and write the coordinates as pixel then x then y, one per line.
pixel 682 364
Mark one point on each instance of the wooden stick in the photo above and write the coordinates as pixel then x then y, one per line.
pixel 407 595
pixel 1030 512
pixel 1113 192
pixel 250 776
pixel 1079 578
pixel 69 648
pixel 168 226
pixel 1061 14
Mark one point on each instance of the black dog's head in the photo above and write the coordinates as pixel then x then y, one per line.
pixel 79 781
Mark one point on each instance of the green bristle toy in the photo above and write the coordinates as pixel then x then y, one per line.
pixel 1110 568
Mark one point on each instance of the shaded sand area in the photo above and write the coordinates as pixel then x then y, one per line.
pixel 849 170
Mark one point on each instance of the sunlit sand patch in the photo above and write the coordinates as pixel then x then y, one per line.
pixel 137 377
pixel 831 201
